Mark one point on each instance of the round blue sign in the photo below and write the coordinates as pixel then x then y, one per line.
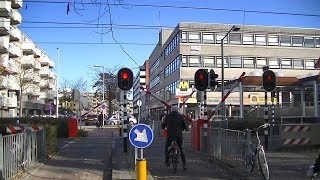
pixel 141 136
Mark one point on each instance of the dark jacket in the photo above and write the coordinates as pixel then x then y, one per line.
pixel 175 125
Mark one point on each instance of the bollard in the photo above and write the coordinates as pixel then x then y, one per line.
pixel 141 169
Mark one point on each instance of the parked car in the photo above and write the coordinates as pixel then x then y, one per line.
pixel 113 120
pixel 90 119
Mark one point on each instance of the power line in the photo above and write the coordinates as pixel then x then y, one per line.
pixel 93 43
pixel 178 7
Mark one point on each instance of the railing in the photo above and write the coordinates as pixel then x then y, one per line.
pixel 20 151
pixel 225 145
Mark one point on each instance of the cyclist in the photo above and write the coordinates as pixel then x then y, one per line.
pixel 175 124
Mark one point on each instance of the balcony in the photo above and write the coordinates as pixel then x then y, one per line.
pixel 37 52
pixel 13 67
pixel 51 75
pixel 44 60
pixel 28 76
pixel 36 79
pixel 5 7
pixel 4 26
pixel 51 63
pixel 4 63
pixel 47 95
pixel 14 50
pixel 28 46
pixel 16 17
pixel 27 61
pixel 15 34
pixel 13 85
pixel 44 84
pixel 44 73
pixel 4 44
pixel 3 82
pixel 36 65
pixel 11 102
pixel 16 4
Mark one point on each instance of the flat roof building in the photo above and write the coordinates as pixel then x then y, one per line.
pixel 180 52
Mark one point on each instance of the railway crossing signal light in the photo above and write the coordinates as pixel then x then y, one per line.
pixel 201 79
pixel 213 80
pixel 125 79
pixel 269 80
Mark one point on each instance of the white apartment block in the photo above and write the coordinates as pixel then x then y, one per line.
pixel 24 68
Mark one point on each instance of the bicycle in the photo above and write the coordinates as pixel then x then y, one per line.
pixel 174 153
pixel 256 152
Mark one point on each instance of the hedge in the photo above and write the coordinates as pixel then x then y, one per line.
pixel 54 128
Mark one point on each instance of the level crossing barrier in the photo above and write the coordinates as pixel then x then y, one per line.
pixel 20 151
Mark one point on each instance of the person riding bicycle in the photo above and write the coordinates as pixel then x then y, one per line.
pixel 175 124
pixel 100 119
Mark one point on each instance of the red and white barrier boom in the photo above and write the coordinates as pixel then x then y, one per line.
pixel 147 91
pixel 226 95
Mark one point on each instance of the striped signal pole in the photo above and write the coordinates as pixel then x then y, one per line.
pixel 125 123
pixel 273 93
pixel 266 118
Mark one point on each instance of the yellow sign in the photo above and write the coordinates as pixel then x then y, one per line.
pixel 259 100
pixel 183 86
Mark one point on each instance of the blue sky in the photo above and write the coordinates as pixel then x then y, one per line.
pixel 76 60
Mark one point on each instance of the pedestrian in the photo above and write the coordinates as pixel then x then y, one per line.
pixel 175 124
pixel 100 119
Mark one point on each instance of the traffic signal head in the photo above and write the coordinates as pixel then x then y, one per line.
pixel 125 79
pixel 213 80
pixel 201 79
pixel 269 80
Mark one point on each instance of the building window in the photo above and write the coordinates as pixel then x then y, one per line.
pixel 285 40
pixel 261 61
pixel 184 61
pixel 248 62
pixel 235 38
pixel 208 61
pixel 207 37
pixel 273 40
pixel 286 63
pixel 298 64
pixel 194 61
pixel 274 63
pixel 310 63
pixel 235 62
pixel 309 42
pixel 184 37
pixel 247 39
pixel 317 42
pixel 226 62
pixel 194 37
pixel 260 39
pixel 297 41
pixel 219 37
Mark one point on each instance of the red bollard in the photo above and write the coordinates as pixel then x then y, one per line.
pixel 73 127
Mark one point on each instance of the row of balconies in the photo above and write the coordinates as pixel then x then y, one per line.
pixel 9 9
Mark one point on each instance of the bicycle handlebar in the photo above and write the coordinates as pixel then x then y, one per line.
pixel 256 129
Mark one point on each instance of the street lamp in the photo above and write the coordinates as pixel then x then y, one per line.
pixel 103 85
pixel 57 91
pixel 223 113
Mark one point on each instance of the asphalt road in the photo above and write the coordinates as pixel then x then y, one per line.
pixel 83 158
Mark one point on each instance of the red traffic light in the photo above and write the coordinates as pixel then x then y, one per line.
pixel 200 76
pixel 269 80
pixel 124 75
pixel 201 79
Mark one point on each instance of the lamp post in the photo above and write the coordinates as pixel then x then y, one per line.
pixel 57 92
pixel 223 113
pixel 103 86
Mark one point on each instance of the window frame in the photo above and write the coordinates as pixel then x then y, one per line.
pixel 235 35
pixel 208 41
pixel 260 43
pixel 235 65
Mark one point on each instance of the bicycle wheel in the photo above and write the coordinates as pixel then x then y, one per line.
pixel 263 163
pixel 174 160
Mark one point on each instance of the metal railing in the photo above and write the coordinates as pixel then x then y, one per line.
pixel 20 151
pixel 225 145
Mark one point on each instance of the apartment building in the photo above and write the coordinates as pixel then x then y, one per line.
pixel 141 79
pixel 180 52
pixel 25 70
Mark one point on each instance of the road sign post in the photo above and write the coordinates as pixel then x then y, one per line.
pixel 141 136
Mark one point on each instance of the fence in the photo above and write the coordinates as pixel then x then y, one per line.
pixel 20 151
pixel 225 145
